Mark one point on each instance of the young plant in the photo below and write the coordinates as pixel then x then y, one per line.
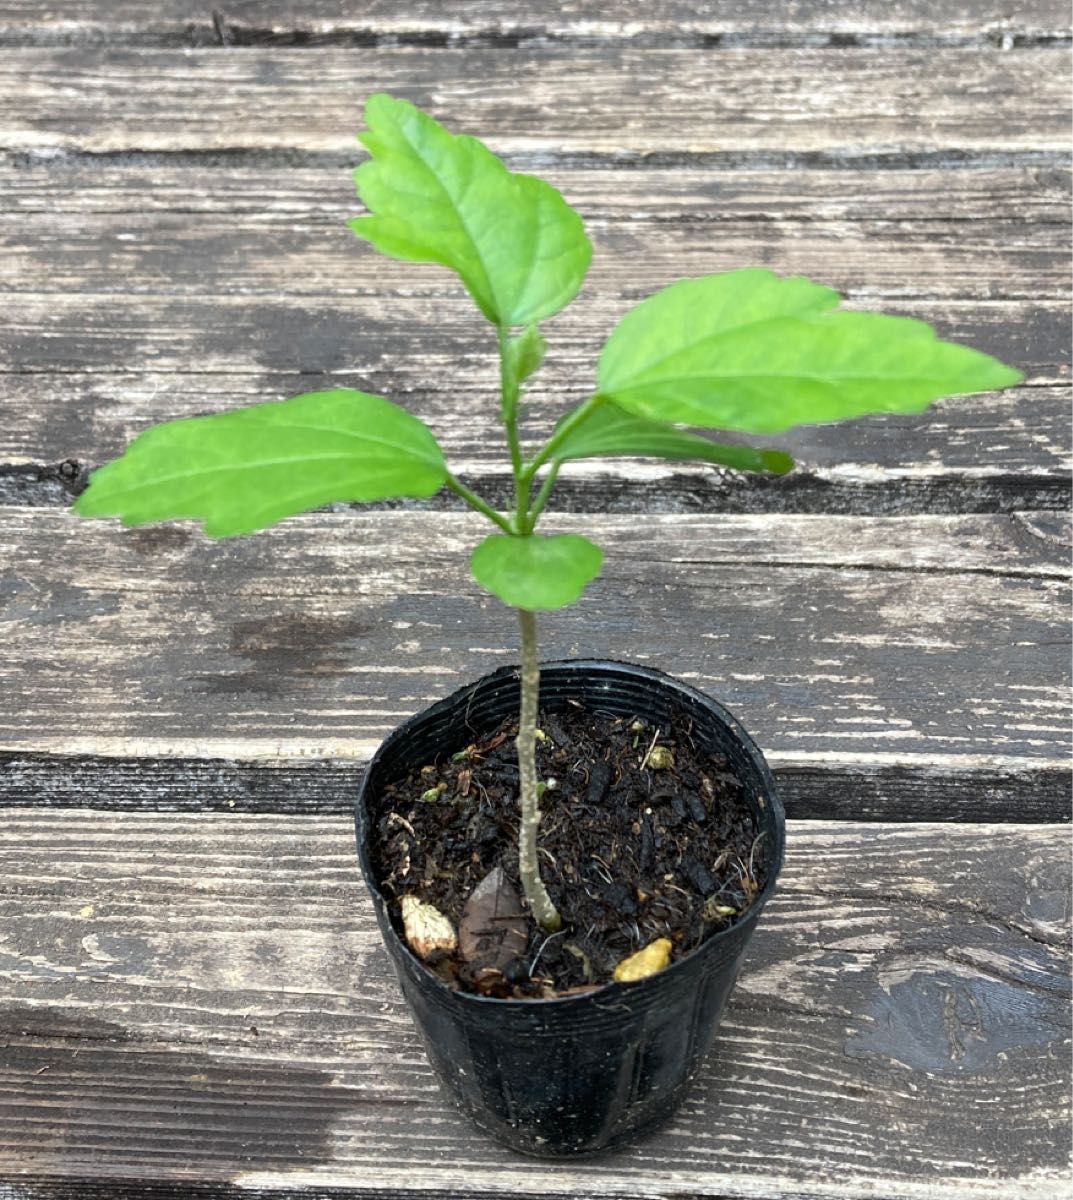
pixel 746 351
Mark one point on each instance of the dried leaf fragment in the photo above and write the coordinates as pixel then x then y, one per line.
pixel 429 933
pixel 654 957
pixel 493 930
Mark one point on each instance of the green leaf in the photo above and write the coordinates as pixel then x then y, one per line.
pixel 527 352
pixel 520 249
pixel 609 431
pixel 754 352
pixel 244 470
pixel 536 572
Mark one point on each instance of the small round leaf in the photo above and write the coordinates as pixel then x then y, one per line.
pixel 536 572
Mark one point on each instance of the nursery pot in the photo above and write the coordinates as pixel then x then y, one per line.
pixel 588 1072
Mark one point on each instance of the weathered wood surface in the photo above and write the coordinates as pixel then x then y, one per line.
pixel 640 241
pixel 930 645
pixel 92 372
pixel 240 191
pixel 506 22
pixel 244 284
pixel 206 999
pixel 199 1001
pixel 620 102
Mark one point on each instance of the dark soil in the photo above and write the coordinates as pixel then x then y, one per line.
pixel 629 853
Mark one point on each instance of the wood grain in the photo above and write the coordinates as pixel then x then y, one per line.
pixel 205 999
pixel 698 194
pixel 243 270
pixel 703 195
pixel 505 22
pixel 929 646
pixel 194 253
pixel 623 102
pixel 197 1003
pixel 154 292
pixel 85 372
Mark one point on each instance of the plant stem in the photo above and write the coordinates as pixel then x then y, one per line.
pixel 509 391
pixel 540 905
pixel 542 496
pixel 543 910
pixel 475 501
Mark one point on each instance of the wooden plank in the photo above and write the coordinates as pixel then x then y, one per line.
pixel 205 1000
pixel 143 290
pixel 508 21
pixel 86 372
pixel 137 254
pixel 706 196
pixel 906 652
pixel 149 234
pixel 617 102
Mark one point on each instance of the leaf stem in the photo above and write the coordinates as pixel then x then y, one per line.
pixel 481 506
pixel 542 496
pixel 570 422
pixel 540 903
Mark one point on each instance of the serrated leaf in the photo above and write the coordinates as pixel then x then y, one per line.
pixel 527 352
pixel 754 352
pixel 610 431
pixel 519 248
pixel 536 572
pixel 244 470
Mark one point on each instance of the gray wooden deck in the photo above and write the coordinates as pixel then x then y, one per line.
pixel 193 999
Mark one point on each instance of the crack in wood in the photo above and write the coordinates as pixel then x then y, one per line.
pixel 220 32
pixel 964 960
pixel 1058 942
pixel 546 160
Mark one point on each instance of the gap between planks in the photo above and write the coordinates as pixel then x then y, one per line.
pixel 296 158
pixel 630 486
pixel 307 780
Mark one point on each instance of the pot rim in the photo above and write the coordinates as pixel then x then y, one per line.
pixel 612 989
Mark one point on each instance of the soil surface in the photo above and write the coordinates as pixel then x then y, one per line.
pixel 643 836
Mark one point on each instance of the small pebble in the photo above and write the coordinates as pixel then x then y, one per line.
pixel 660 758
pixel 653 958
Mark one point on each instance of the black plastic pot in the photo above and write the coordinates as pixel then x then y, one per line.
pixel 585 1073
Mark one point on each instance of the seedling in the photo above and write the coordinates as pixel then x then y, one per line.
pixel 746 351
